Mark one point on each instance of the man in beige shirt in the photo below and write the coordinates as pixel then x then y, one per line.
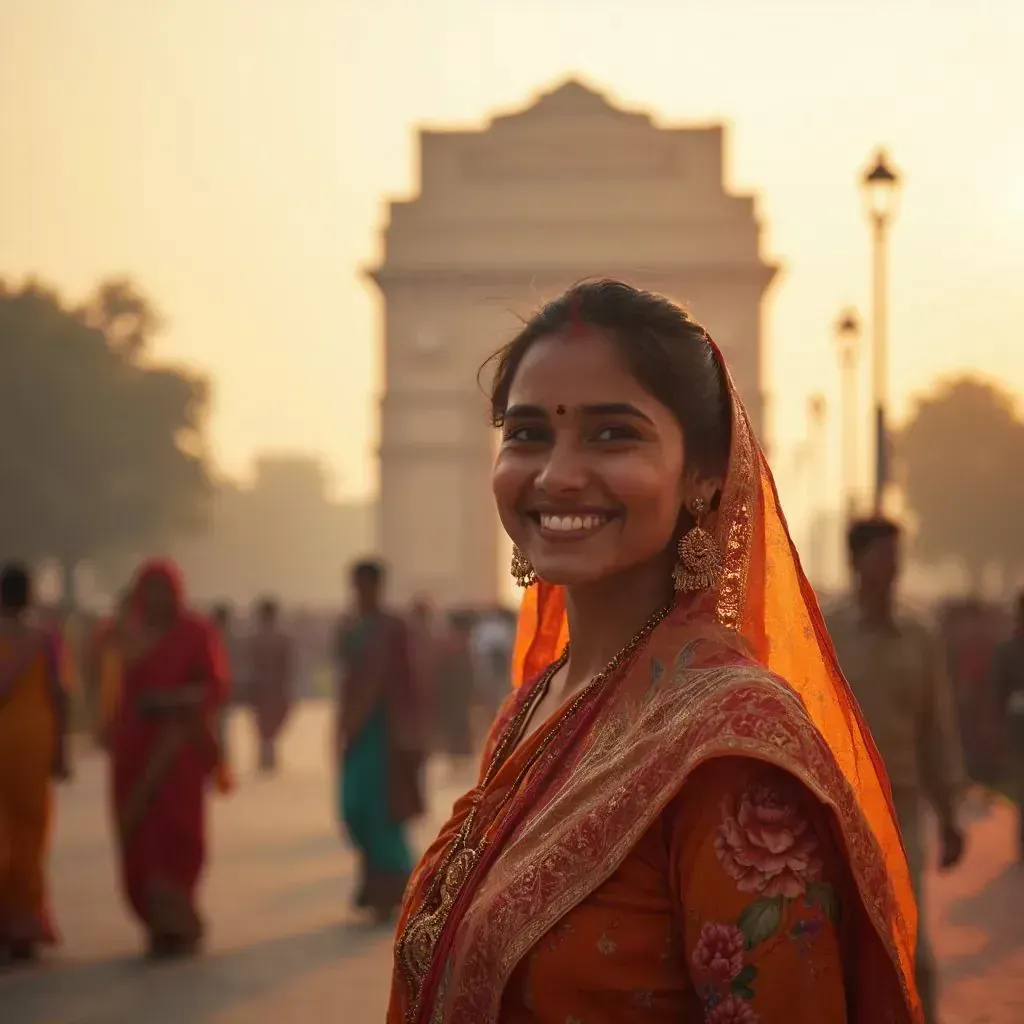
pixel 897 673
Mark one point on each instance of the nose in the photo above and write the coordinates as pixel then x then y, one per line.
pixel 565 469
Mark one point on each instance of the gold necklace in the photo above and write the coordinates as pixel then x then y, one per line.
pixel 420 936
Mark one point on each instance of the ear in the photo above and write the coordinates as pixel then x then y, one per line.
pixel 697 486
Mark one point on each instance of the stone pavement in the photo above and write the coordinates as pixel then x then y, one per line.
pixel 282 945
pixel 976 916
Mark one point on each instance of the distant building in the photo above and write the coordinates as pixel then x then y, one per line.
pixel 281 535
pixel 506 217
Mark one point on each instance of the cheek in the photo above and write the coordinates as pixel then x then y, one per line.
pixel 508 478
pixel 649 489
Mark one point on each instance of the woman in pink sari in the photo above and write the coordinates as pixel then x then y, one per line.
pixel 165 752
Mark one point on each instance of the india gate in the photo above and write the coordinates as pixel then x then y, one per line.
pixel 506 217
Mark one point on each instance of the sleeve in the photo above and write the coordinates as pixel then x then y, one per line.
pixel 942 764
pixel 756 879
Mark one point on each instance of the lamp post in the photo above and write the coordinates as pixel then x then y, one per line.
pixel 817 413
pixel 847 336
pixel 881 194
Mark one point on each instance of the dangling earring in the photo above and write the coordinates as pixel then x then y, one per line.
pixel 522 571
pixel 700 562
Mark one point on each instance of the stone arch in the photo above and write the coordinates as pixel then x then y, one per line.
pixel 507 216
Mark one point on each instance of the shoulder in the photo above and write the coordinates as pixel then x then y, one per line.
pixel 394 625
pixel 715 674
pixel 840 616
pixel 197 628
pixel 739 801
pixel 918 633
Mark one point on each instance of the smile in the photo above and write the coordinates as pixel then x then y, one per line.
pixel 569 525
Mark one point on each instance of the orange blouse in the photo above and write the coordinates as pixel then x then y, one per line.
pixel 727 912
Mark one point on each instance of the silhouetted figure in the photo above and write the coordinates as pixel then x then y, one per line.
pixel 165 753
pixel 33 725
pixel 493 638
pixel 426 639
pixel 898 674
pixel 222 620
pixel 379 740
pixel 456 691
pixel 1008 693
pixel 269 661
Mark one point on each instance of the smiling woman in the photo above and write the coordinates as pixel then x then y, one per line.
pixel 680 816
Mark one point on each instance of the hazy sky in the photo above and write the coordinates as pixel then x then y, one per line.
pixel 234 156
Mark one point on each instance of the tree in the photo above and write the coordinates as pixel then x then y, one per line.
pixel 101 452
pixel 963 459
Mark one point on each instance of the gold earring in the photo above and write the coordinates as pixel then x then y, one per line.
pixel 700 561
pixel 522 571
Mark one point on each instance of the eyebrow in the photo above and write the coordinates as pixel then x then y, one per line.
pixel 536 412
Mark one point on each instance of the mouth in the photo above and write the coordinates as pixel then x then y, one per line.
pixel 570 524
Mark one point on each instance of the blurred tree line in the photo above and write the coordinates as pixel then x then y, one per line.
pixel 101 450
pixel 962 454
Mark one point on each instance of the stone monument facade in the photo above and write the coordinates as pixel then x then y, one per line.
pixel 507 217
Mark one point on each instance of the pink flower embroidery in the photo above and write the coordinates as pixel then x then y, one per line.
pixel 767 845
pixel 732 1010
pixel 719 952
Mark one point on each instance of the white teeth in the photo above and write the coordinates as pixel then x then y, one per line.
pixel 570 524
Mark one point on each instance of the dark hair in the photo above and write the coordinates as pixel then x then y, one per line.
pixel 267 608
pixel 461 620
pixel 221 612
pixel 667 351
pixel 368 570
pixel 862 533
pixel 15 587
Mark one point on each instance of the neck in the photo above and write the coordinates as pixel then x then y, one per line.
pixel 875 605
pixel 604 616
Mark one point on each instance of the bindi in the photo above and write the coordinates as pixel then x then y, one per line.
pixel 559 410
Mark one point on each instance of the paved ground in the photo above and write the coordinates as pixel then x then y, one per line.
pixel 283 946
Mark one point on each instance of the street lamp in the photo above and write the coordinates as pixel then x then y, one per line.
pixel 847 336
pixel 881 186
pixel 817 414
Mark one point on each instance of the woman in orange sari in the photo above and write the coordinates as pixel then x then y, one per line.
pixel 681 817
pixel 165 753
pixel 32 754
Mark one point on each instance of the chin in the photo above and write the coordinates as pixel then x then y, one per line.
pixel 570 575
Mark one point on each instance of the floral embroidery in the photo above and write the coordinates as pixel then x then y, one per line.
pixel 732 1010
pixel 767 846
pixel 607 946
pixel 719 952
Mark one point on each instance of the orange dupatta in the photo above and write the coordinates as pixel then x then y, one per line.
pixel 768 600
pixel 719 676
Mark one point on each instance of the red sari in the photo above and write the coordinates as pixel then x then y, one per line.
pixel 161 769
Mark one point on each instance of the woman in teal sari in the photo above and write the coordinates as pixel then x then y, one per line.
pixel 379 741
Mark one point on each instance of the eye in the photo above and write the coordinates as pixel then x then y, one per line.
pixel 525 434
pixel 616 432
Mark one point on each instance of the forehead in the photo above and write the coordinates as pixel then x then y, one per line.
pixel 585 369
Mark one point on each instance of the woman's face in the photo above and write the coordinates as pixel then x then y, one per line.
pixel 589 478
pixel 157 599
